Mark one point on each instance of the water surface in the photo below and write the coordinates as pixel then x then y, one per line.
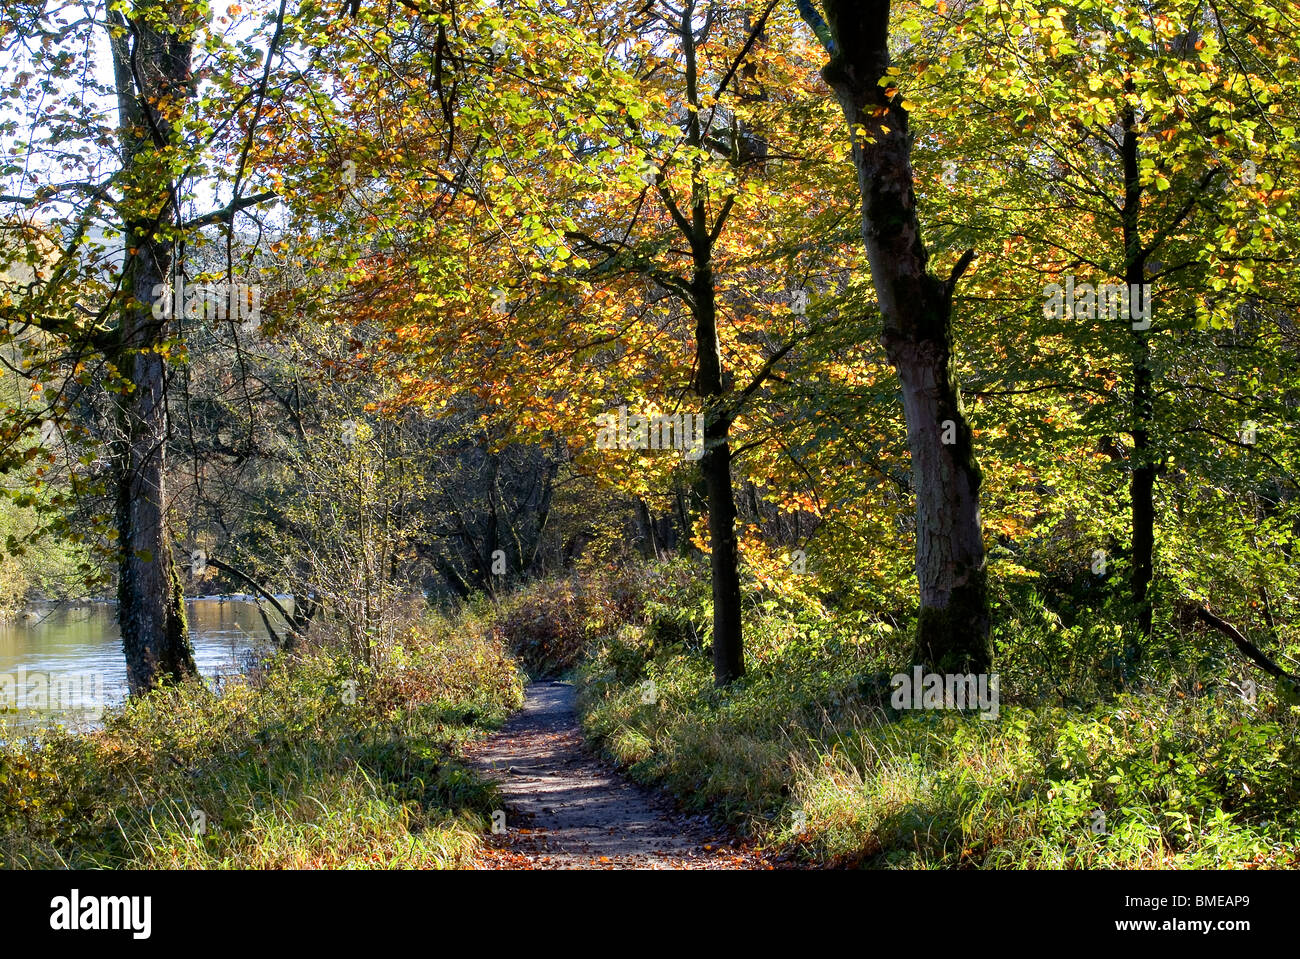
pixel 65 662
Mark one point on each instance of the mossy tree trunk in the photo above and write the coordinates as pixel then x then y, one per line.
pixel 151 61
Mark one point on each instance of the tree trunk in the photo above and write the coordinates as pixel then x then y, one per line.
pixel 728 645
pixel 715 470
pixel 151 602
pixel 1143 478
pixel 953 624
pixel 711 385
pixel 1142 494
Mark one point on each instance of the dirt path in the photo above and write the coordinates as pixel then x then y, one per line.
pixel 566 809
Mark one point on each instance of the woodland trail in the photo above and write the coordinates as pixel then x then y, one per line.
pixel 567 809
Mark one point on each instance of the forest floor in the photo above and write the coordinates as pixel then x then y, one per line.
pixel 568 809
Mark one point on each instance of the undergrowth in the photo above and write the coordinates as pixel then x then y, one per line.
pixel 808 754
pixel 313 762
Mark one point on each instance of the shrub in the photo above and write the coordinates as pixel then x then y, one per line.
pixel 550 624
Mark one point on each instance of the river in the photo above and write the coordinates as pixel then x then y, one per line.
pixel 65 662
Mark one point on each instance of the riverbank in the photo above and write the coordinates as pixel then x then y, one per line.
pixel 312 762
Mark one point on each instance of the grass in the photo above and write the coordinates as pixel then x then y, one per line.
pixel 287 770
pixel 807 754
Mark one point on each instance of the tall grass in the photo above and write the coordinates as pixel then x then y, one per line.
pixel 807 754
pixel 311 763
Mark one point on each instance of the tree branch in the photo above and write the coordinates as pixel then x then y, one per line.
pixel 960 268
pixel 257 588
pixel 819 27
pixel 227 213
pixel 1249 649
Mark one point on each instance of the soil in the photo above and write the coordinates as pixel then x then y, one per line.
pixel 565 808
